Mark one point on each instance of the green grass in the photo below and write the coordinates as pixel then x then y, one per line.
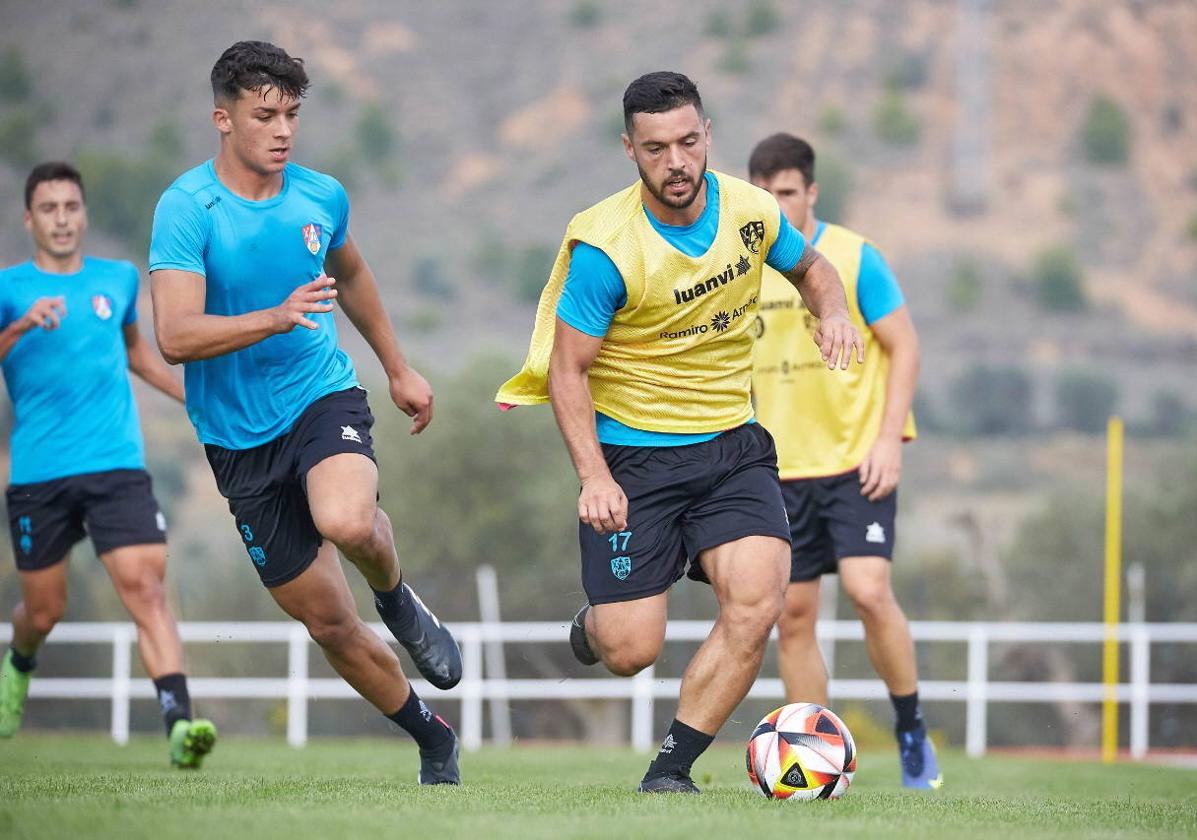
pixel 84 786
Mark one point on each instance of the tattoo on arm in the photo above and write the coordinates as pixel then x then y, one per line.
pixel 796 274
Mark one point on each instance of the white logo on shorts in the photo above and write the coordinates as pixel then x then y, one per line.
pixel 349 433
pixel 875 533
pixel 161 520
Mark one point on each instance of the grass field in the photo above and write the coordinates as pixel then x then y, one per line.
pixel 83 786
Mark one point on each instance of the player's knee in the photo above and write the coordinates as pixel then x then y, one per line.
pixel 333 632
pixel 143 592
pixel 796 623
pixel 630 656
pixel 43 617
pixel 752 620
pixel 872 598
pixel 349 529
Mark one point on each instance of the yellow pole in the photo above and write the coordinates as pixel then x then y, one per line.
pixel 1109 668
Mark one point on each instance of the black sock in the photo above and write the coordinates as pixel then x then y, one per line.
pixel 909 715
pixel 21 662
pixel 397 611
pixel 173 699
pixel 428 730
pixel 682 745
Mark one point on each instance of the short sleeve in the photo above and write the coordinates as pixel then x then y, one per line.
pixel 594 291
pixel 877 290
pixel 341 214
pixel 180 233
pixel 130 316
pixel 787 250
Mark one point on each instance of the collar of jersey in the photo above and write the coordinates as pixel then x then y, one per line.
pixel 246 202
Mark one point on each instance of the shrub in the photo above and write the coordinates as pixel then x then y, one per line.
pixel 1085 400
pixel 531 271
pixel 992 400
pixel 586 13
pixel 1105 135
pixel 893 120
pixel 835 186
pixel 832 121
pixel 1059 281
pixel 18 137
pixel 16 84
pixel 761 18
pixel 375 134
pixel 965 285
pixel 735 59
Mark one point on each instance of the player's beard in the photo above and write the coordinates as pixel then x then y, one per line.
pixel 658 192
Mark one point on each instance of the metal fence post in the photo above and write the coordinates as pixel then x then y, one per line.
pixel 122 665
pixel 975 706
pixel 297 685
pixel 642 709
pixel 1140 682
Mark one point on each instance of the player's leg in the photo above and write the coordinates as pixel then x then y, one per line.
pixel 319 597
pixel 627 635
pixel 42 605
pixel 798 655
pixel 336 462
pixel 45 520
pixel 128 531
pixel 749 577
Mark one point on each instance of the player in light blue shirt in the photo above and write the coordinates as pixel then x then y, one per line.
pixel 248 255
pixel 68 339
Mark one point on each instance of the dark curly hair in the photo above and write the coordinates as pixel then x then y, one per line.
pixel 257 65
pixel 655 93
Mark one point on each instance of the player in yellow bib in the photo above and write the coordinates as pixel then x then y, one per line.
pixel 839 444
pixel 643 345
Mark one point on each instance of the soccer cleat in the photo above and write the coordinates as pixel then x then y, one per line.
pixel 190 741
pixel 675 782
pixel 14 685
pixel 920 769
pixel 434 650
pixel 583 652
pixel 439 767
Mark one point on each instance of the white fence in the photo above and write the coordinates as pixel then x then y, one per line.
pixel 643 690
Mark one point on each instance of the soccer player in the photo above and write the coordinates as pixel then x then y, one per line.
pixel 69 339
pixel 643 345
pixel 238 257
pixel 839 445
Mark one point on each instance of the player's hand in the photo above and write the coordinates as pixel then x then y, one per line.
pixel 836 336
pixel 313 296
pixel 46 312
pixel 412 395
pixel 881 469
pixel 602 505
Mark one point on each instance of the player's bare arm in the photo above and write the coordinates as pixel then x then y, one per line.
pixel 818 282
pixel 187 334
pixel 147 364
pixel 46 312
pixel 881 469
pixel 362 303
pixel 601 504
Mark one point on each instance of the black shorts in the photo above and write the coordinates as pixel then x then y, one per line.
pixel 830 519
pixel 682 500
pixel 266 486
pixel 115 507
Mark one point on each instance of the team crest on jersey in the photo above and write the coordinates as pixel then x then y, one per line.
pixel 102 304
pixel 753 235
pixel 311 237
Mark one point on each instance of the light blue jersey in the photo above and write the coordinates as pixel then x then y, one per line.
pixel 69 387
pixel 594 291
pixel 253 254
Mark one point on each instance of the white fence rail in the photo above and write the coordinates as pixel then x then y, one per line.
pixel 977 691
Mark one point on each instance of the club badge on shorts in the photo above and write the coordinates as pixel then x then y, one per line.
pixel 102 304
pixel 311 237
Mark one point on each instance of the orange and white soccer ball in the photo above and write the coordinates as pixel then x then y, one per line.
pixel 801 751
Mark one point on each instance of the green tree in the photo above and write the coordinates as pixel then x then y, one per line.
pixel 1059 281
pixel 1106 132
pixel 1085 399
pixel 992 400
pixel 761 18
pixel 835 187
pixel 375 134
pixel 531 271
pixel 16 82
pixel 586 13
pixel 893 121
pixel 736 60
pixel 717 25
pixel 18 137
pixel 1169 414
pixel 832 121
pixel 481 486
pixel 964 285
